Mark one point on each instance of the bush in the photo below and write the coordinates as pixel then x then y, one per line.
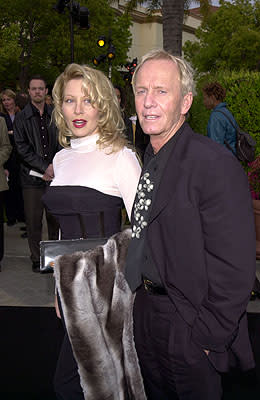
pixel 242 98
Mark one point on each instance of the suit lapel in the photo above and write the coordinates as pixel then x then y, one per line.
pixel 170 176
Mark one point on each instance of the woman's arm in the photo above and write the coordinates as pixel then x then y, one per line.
pixel 127 174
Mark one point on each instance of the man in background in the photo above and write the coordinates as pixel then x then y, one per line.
pixel 37 143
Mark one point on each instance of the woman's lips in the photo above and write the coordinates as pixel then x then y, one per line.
pixel 79 123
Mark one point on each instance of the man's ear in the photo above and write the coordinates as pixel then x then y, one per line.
pixel 186 103
pixel 46 91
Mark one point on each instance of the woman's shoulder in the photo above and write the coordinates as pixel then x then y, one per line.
pixel 61 154
pixel 127 153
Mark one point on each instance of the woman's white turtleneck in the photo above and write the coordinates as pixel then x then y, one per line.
pixel 85 164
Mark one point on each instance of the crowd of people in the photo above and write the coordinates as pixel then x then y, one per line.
pixel 190 262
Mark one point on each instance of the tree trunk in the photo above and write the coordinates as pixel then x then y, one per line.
pixel 172 15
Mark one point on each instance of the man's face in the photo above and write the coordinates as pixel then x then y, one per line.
pixel 37 91
pixel 159 104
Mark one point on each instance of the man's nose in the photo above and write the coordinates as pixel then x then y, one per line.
pixel 149 100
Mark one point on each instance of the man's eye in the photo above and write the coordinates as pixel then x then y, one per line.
pixel 162 91
pixel 140 91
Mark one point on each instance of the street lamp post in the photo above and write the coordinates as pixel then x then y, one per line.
pixel 77 14
pixel 71 33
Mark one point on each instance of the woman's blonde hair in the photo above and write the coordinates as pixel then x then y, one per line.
pixel 102 97
pixel 9 93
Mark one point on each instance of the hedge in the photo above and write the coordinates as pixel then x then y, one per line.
pixel 242 98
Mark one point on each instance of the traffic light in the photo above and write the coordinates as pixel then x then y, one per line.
pixel 83 18
pixel 78 14
pixel 130 66
pixel 111 51
pixel 101 41
pixel 99 59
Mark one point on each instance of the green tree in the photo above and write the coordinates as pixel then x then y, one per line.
pixel 34 38
pixel 228 38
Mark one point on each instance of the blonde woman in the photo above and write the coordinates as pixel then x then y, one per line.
pixel 94 174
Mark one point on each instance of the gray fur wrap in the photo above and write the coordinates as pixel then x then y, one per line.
pixel 97 304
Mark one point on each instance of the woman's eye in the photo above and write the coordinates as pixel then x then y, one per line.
pixel 68 101
pixel 87 101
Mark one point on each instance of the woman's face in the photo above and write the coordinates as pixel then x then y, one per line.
pixel 80 116
pixel 8 103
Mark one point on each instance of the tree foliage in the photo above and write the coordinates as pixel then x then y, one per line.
pixel 228 38
pixel 242 97
pixel 34 38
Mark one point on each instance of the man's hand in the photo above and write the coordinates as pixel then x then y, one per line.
pixel 207 352
pixel 57 307
pixel 48 174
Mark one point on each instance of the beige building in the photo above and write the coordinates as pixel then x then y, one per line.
pixel 147 32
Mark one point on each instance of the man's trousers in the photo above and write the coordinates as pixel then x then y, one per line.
pixel 172 366
pixel 33 208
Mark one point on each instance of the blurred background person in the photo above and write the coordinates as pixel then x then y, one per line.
pixel 13 198
pixel 21 99
pixel 134 132
pixel 120 94
pixel 48 99
pixel 5 150
pixel 219 127
pixel 94 175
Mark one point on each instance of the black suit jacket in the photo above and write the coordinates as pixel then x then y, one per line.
pixel 202 238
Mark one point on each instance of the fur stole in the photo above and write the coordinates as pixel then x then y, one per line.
pixel 97 304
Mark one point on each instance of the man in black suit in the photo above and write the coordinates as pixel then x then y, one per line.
pixel 191 260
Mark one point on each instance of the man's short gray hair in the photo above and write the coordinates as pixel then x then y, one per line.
pixel 185 70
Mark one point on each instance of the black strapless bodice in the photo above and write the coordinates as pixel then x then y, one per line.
pixel 82 210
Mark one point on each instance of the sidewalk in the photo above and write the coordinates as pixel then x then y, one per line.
pixel 19 286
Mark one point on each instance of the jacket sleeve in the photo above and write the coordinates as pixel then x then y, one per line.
pixel 5 146
pixel 25 149
pixel 229 245
pixel 216 128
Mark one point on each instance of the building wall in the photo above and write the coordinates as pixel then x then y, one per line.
pixel 147 33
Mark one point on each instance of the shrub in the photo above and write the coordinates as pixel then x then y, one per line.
pixel 242 98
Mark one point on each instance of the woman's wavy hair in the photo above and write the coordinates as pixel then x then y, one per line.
pixel 9 93
pixel 184 68
pixel 102 96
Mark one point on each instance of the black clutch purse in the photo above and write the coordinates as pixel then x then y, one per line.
pixel 50 249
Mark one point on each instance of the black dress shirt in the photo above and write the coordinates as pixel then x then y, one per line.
pixel 42 121
pixel 139 262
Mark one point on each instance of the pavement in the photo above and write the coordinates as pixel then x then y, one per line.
pixel 19 286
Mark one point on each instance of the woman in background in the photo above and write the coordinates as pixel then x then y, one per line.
pixel 5 150
pixel 13 198
pixel 94 175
